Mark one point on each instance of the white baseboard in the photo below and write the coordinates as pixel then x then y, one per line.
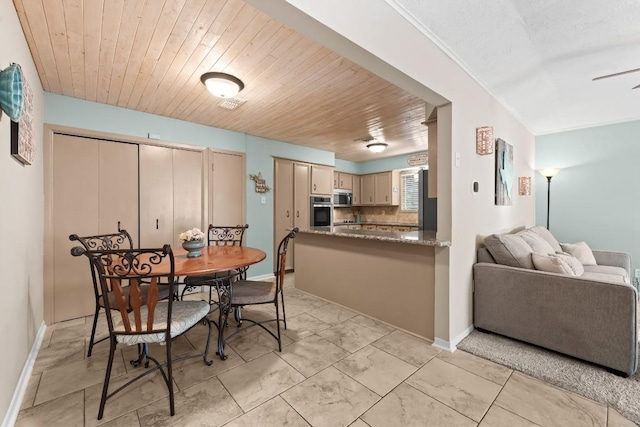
pixel 451 345
pixel 23 382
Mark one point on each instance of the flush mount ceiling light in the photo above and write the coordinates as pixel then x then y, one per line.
pixel 222 85
pixel 377 147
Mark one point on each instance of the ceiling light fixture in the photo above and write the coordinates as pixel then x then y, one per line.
pixel 222 85
pixel 377 147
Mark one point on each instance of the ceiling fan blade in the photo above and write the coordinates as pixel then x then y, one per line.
pixel 635 87
pixel 617 74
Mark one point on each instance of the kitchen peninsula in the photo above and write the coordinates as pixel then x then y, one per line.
pixel 387 275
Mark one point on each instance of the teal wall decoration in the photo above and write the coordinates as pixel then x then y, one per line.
pixel 504 173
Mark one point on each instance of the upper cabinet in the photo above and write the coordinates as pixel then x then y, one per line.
pixel 356 199
pixel 321 180
pixel 380 189
pixel 367 184
pixel 387 188
pixel 343 181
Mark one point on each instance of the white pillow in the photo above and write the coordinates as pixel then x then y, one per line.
pixel 580 250
pixel 576 266
pixel 551 264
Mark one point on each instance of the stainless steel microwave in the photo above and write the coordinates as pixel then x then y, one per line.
pixel 342 198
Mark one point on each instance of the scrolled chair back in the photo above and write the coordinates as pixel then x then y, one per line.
pixel 100 242
pixel 226 235
pixel 282 258
pixel 115 266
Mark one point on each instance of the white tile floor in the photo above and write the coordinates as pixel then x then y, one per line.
pixel 336 368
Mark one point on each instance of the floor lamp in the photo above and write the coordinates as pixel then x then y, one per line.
pixel 548 173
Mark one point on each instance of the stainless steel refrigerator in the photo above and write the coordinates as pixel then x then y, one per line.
pixel 427 208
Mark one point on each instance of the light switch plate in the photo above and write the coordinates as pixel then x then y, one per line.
pixel 637 272
pixel 263 200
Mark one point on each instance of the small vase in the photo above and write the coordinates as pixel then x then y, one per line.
pixel 193 248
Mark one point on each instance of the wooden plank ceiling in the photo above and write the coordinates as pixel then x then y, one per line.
pixel 149 56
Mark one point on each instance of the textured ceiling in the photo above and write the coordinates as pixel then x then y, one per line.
pixel 539 57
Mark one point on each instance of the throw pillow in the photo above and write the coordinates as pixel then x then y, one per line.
pixel 537 243
pixel 580 250
pixel 576 266
pixel 551 264
pixel 509 249
pixel 547 236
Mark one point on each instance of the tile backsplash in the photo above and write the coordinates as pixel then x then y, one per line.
pixel 376 214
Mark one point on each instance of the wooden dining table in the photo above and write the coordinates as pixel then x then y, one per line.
pixel 217 259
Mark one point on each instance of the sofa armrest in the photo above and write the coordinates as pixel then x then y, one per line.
pixel 589 319
pixel 616 259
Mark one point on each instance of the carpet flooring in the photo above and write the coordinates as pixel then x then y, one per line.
pixel 580 377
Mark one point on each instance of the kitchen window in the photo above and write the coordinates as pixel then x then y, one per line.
pixel 409 183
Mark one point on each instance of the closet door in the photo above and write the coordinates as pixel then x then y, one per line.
pixel 187 192
pixel 74 211
pixel 156 196
pixel 226 192
pixel 118 188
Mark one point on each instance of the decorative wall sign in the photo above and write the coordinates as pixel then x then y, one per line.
pixel 261 183
pixel 418 159
pixel 22 141
pixel 484 140
pixel 504 173
pixel 524 186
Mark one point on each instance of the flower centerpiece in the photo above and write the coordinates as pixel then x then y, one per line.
pixel 192 242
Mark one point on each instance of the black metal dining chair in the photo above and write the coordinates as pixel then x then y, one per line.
pixel 114 241
pixel 142 322
pixel 253 292
pixel 218 236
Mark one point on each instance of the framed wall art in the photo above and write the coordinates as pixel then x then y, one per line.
pixel 22 141
pixel 504 173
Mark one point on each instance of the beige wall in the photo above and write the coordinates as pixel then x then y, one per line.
pixel 375 34
pixel 21 223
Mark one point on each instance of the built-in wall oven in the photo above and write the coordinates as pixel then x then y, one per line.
pixel 321 211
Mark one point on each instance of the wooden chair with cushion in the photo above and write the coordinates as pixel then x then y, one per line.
pixel 254 292
pixel 143 322
pixel 113 241
pixel 218 236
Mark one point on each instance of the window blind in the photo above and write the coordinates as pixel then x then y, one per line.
pixel 409 192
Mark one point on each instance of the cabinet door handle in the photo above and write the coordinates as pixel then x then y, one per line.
pixel 119 227
pixel 341 184
pixel 287 214
pixel 297 214
pixel 157 223
pixel 386 198
pixel 314 187
pixel 370 199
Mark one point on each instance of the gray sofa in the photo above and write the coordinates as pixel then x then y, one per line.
pixel 591 316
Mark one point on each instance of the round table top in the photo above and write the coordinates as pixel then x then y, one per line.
pixel 216 258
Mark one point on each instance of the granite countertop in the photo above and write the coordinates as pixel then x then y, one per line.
pixel 392 224
pixel 421 237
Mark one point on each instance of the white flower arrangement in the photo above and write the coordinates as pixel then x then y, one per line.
pixel 191 235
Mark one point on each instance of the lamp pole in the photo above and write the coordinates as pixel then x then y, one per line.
pixel 548 198
pixel 548 173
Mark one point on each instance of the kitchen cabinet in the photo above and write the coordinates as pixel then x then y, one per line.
pixel 291 201
pixel 343 181
pixel 401 229
pixel 387 188
pixel 384 228
pixel 321 180
pixel 368 190
pixel 356 199
pixel 369 227
pixel 380 189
